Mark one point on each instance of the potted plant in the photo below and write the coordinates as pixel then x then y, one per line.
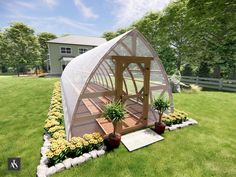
pixel 161 105
pixel 114 112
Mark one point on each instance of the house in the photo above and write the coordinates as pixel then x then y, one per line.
pixel 63 49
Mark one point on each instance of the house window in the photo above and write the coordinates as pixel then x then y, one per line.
pixel 65 50
pixel 81 51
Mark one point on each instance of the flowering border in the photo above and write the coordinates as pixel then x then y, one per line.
pixel 79 150
pixel 43 170
pixel 188 122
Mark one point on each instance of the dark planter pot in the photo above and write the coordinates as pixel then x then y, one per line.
pixel 112 141
pixel 160 127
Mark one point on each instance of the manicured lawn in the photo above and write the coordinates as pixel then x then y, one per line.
pixel 23 106
pixel 207 149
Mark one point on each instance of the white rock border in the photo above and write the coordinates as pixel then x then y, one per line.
pixel 43 170
pixel 186 123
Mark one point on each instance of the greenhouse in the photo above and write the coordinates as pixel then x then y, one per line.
pixel 125 68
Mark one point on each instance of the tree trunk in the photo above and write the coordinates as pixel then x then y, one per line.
pixel 160 117
pixel 17 70
pixel 36 71
pixel 178 64
pixel 216 72
pixel 114 127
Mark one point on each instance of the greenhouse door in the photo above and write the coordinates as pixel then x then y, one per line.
pixel 132 76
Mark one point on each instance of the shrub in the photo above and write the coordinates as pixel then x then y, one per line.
pixel 114 112
pixel 57 152
pixel 161 105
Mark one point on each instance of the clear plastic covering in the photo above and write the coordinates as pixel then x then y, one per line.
pixel 76 74
pixel 97 69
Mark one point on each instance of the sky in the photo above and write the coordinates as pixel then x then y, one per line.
pixel 80 17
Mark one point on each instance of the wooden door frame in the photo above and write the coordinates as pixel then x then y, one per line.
pixel 121 62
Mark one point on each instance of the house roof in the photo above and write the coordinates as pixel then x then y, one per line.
pixel 79 40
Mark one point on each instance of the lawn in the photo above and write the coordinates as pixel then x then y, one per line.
pixel 207 149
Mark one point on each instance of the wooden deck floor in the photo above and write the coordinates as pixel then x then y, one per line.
pixel 95 106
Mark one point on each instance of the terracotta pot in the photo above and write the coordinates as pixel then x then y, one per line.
pixel 160 127
pixel 112 141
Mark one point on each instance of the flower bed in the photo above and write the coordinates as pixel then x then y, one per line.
pixel 58 153
pixel 177 117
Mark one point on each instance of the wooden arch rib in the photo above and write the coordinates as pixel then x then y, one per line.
pixel 97 78
pixel 112 87
pixel 104 76
pixel 100 78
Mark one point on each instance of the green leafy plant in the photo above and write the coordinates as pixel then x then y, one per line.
pixel 161 105
pixel 114 112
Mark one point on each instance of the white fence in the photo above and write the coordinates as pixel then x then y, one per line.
pixel 220 84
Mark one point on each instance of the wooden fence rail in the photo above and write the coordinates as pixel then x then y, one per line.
pixel 220 84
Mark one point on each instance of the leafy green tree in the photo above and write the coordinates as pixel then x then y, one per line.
pixel 173 30
pixel 22 46
pixel 150 28
pixel 109 35
pixel 204 70
pixel 213 30
pixel 187 70
pixel 43 38
pixel 195 32
pixel 3 52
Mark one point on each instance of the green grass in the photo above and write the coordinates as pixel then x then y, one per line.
pixel 207 149
pixel 23 108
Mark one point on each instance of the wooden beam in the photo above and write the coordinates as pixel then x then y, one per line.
pixel 125 97
pixel 127 48
pixel 78 120
pixel 134 37
pixel 158 87
pixel 96 94
pixel 146 90
pixel 131 59
pixel 118 80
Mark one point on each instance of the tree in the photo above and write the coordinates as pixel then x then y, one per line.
pixel 43 38
pixel 3 52
pixel 190 31
pixel 173 31
pixel 187 70
pixel 213 30
pixel 109 35
pixel 204 69
pixel 22 46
